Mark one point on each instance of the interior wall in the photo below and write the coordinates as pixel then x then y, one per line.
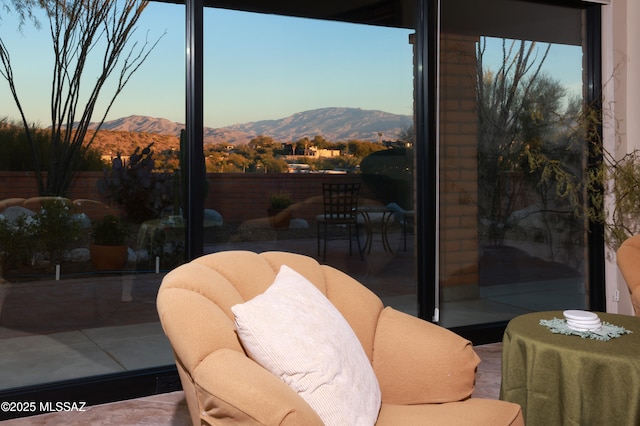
pixel 621 106
pixel 633 71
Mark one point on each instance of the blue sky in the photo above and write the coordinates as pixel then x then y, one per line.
pixel 257 67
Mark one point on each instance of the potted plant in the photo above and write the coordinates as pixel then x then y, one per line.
pixel 109 250
pixel 279 212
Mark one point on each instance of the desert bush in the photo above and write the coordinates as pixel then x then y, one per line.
pixel 17 241
pixel 16 155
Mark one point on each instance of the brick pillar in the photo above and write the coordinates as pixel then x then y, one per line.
pixel 458 168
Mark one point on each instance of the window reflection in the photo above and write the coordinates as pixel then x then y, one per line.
pixel 512 163
pixel 332 105
pixel 64 312
pixel 62 317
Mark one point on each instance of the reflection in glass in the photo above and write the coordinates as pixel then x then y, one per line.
pixel 328 103
pixel 66 313
pixel 262 192
pixel 512 163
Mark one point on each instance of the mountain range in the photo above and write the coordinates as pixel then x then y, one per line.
pixel 334 124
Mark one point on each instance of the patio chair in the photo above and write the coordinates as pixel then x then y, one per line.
pixel 321 328
pixel 340 203
pixel 405 218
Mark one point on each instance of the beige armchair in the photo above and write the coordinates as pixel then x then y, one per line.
pixel 628 259
pixel 426 373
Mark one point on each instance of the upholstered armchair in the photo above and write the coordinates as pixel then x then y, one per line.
pixel 628 258
pixel 424 374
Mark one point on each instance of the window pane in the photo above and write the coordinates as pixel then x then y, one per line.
pixel 63 315
pixel 511 161
pixel 299 103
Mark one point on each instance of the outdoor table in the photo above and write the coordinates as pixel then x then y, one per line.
pixel 569 380
pixel 376 214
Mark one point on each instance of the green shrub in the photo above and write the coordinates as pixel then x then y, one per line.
pixel 57 228
pixel 16 154
pixel 17 241
pixel 110 231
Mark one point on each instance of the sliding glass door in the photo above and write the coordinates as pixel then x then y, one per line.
pixel 292 105
pixel 513 237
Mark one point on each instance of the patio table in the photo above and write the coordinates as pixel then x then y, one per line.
pixel 381 215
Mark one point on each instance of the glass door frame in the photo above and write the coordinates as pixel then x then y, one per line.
pixel 427 141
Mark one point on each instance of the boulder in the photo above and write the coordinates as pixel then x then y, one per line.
pixel 14 212
pixel 212 218
pixel 80 254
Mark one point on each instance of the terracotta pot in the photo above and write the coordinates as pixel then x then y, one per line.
pixel 108 258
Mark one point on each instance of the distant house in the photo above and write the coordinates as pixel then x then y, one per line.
pixel 324 153
pixel 313 152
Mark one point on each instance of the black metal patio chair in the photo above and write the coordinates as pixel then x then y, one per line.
pixel 340 202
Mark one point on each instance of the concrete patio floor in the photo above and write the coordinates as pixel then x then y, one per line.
pixel 170 409
pixel 95 325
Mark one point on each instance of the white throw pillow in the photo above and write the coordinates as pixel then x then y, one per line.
pixel 296 333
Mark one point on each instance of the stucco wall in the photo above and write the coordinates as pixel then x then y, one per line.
pixel 621 96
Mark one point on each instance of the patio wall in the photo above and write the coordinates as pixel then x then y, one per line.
pixel 236 196
pixel 246 196
pixel 23 185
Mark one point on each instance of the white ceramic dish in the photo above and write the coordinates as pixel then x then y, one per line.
pixel 593 324
pixel 582 320
pixel 578 328
pixel 577 315
pixel 584 323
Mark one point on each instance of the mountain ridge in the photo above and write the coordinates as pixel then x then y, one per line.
pixel 333 123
